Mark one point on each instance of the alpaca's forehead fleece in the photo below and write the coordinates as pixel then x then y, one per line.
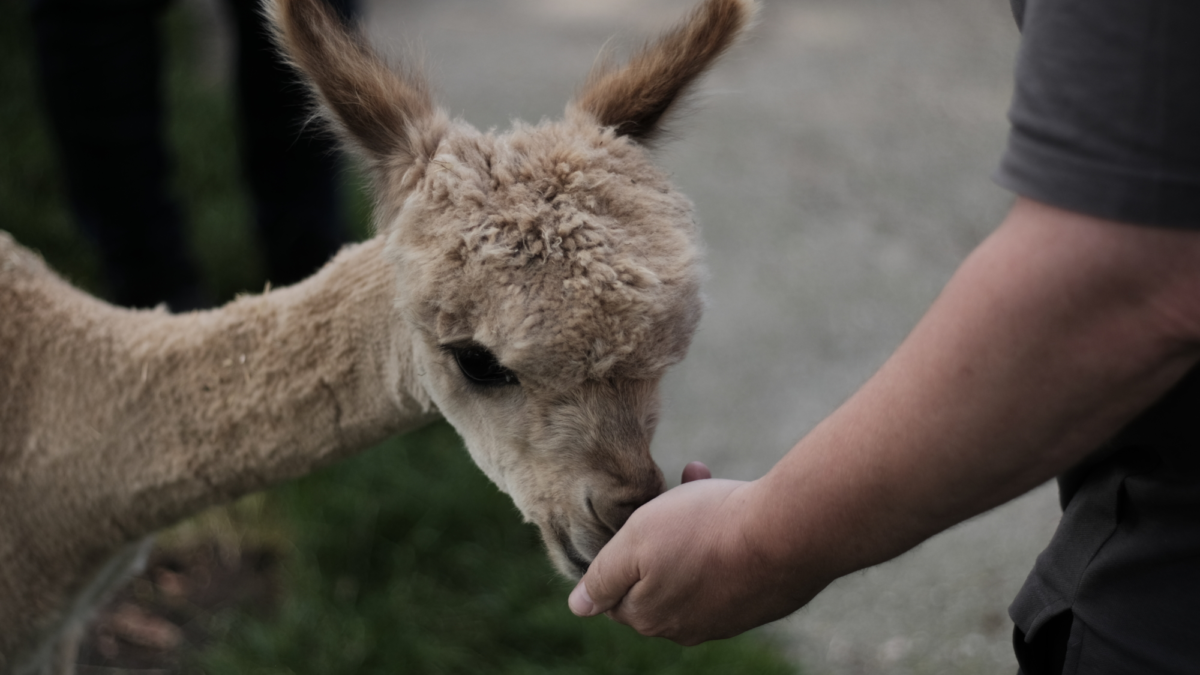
pixel 560 247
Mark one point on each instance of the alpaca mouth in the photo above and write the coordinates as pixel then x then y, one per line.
pixel 576 558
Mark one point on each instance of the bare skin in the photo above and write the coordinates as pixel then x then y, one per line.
pixel 1055 332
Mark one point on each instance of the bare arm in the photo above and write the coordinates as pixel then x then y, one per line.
pixel 1054 333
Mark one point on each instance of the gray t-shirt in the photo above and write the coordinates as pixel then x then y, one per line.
pixel 1106 109
pixel 1106 121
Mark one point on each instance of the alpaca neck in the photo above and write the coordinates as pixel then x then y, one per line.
pixel 267 388
pixel 119 423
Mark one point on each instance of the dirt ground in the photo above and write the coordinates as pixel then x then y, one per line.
pixel 175 607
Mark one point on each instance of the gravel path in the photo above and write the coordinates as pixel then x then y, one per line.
pixel 840 167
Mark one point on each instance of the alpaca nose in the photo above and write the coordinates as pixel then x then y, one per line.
pixel 615 506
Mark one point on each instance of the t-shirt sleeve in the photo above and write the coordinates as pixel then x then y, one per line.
pixel 1105 118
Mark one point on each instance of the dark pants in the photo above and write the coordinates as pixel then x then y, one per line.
pixel 100 64
pixel 1046 654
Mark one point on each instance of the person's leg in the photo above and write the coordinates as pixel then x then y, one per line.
pixel 99 65
pixel 292 165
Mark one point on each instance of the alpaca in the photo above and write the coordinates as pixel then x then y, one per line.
pixel 530 287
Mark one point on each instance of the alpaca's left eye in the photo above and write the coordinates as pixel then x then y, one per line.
pixel 481 367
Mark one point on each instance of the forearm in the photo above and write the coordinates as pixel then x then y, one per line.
pixel 1053 334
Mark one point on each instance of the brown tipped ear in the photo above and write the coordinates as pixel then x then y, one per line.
pixel 634 99
pixel 375 109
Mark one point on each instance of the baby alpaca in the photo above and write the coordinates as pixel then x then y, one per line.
pixel 530 287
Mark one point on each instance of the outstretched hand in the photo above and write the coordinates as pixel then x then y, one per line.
pixel 687 566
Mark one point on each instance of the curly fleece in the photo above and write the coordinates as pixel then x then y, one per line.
pixel 559 246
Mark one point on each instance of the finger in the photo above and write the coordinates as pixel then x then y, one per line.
pixel 580 601
pixel 608 579
pixel 696 471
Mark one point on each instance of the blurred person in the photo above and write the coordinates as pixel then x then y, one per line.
pixel 1065 345
pixel 100 69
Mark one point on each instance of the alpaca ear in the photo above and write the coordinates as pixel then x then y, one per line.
pixel 377 110
pixel 635 99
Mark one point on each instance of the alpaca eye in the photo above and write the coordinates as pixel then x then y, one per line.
pixel 481 367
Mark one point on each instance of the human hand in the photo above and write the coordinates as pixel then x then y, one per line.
pixel 687 566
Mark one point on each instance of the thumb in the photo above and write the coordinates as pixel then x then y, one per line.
pixel 580 601
pixel 608 579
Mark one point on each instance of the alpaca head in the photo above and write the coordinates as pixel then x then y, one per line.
pixel 549 275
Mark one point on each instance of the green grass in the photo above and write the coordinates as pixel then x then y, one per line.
pixel 403 560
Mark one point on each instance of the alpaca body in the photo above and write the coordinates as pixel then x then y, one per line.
pixel 532 287
pixel 197 409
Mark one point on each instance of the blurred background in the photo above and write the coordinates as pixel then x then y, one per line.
pixel 839 162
